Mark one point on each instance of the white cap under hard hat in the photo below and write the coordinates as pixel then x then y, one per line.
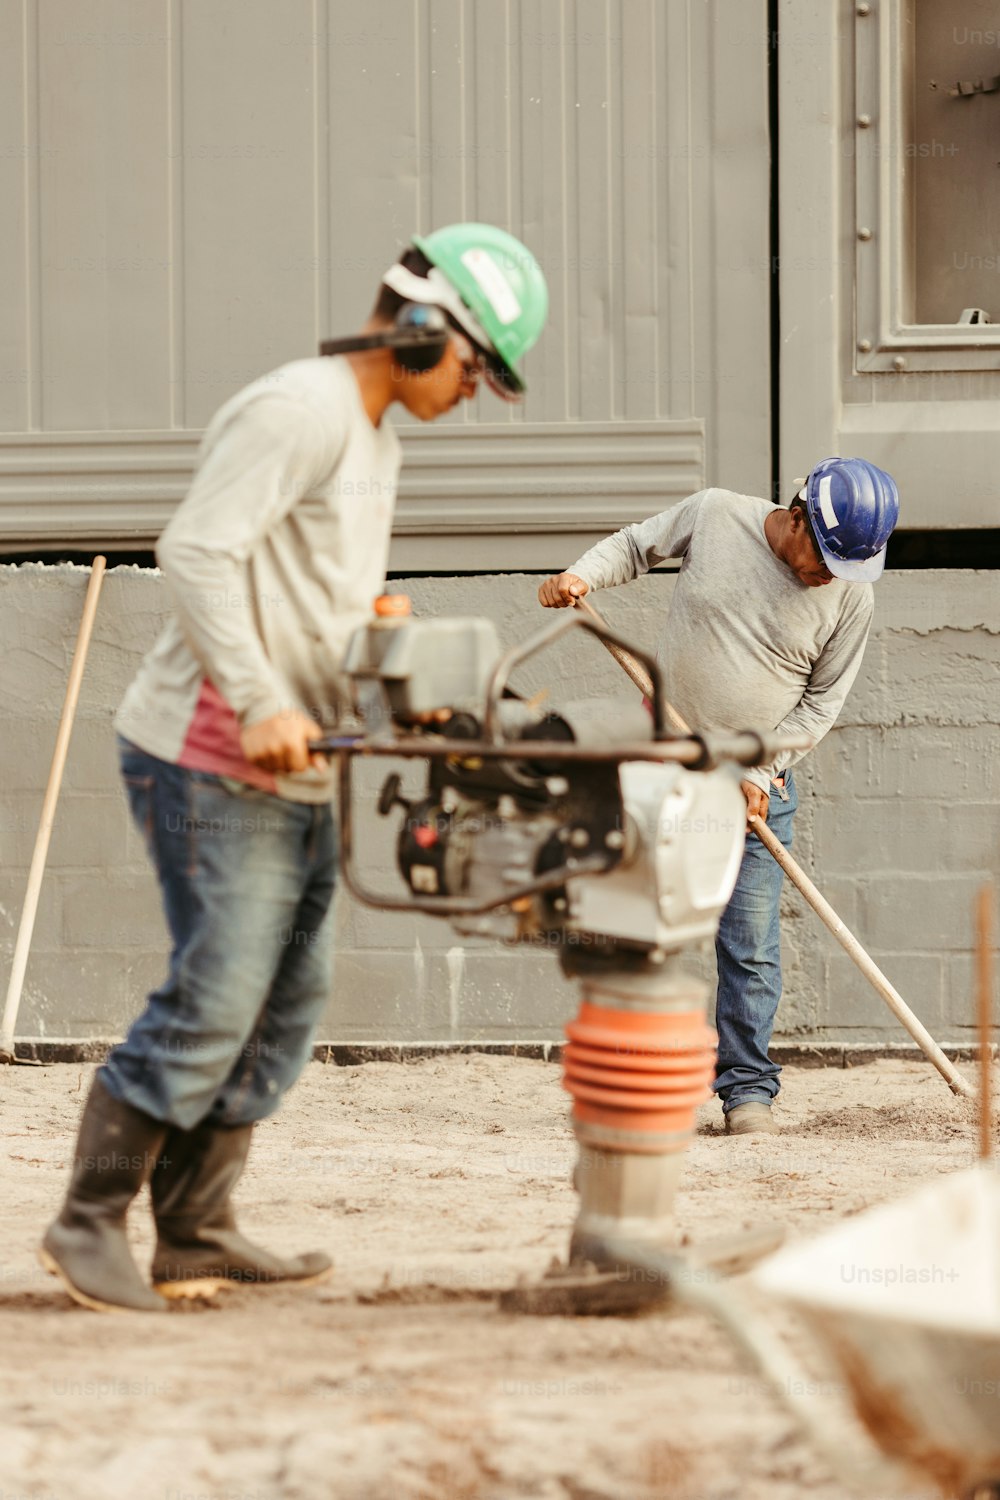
pixel 436 289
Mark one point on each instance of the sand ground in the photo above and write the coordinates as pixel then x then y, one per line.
pixel 432 1183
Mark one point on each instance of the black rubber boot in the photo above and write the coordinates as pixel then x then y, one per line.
pixel 198 1245
pixel 86 1246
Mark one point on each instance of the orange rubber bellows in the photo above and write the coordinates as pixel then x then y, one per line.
pixel 638 1077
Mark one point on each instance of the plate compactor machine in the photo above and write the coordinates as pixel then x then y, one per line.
pixel 587 828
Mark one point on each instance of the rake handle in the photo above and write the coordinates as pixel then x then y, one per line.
pixel 869 968
pixel 37 870
pixel 984 1009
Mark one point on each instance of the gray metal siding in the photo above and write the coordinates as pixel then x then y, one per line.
pixel 200 191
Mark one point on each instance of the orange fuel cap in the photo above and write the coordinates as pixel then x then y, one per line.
pixel 392 605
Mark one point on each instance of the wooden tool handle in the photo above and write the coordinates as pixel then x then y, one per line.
pixel 864 960
pixel 37 870
pixel 984 977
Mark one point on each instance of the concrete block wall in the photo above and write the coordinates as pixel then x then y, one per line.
pixel 902 817
pixel 899 822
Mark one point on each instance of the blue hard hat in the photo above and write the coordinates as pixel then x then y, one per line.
pixel 852 506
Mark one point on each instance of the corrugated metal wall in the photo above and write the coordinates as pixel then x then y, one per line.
pixel 198 190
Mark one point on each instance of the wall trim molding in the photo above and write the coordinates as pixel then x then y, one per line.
pixel 551 478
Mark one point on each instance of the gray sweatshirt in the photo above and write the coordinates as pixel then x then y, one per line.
pixel 271 561
pixel 744 644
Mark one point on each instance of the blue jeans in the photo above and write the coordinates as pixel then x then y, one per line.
pixel 748 949
pixel 247 881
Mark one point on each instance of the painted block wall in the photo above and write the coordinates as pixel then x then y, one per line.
pixel 899 822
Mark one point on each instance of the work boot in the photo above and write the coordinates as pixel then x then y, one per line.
pixel 198 1245
pixel 86 1246
pixel 750 1119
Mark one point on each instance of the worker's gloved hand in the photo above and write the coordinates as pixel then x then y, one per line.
pixel 562 590
pixel 281 743
pixel 757 802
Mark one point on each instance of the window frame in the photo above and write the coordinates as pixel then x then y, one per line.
pixel 884 342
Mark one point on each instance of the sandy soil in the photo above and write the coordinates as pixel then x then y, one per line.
pixel 433 1184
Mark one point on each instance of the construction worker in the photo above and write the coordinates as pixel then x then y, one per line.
pixel 766 629
pixel 270 563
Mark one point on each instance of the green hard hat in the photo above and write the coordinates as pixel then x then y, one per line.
pixel 501 283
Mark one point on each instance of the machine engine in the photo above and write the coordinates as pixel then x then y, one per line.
pixel 569 827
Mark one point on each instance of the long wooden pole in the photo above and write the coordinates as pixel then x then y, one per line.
pixel 37 870
pixel 984 976
pixel 819 904
pixel 864 961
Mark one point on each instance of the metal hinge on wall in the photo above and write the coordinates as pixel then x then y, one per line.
pixel 980 86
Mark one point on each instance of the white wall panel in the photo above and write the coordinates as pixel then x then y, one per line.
pixel 675 146
pixel 246 97
pixel 639 188
pixel 371 180
pixel 102 250
pixel 18 180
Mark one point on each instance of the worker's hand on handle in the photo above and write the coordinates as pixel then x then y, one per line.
pixel 281 743
pixel 757 802
pixel 562 590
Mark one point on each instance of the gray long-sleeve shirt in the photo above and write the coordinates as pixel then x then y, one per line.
pixel 744 643
pixel 270 563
